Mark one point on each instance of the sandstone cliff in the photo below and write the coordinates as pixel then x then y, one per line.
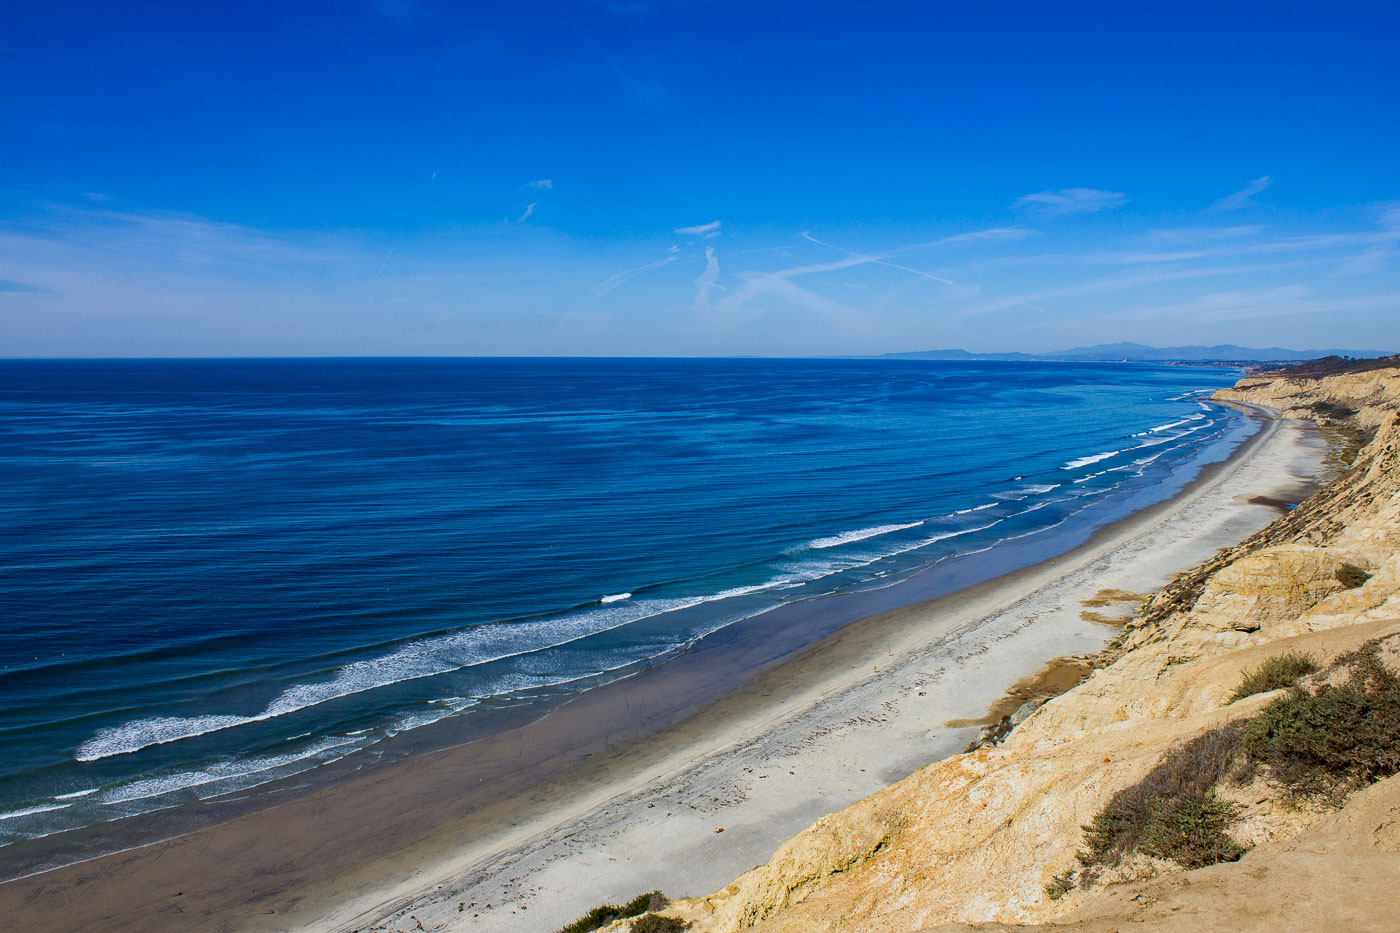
pixel 980 837
pixel 1370 395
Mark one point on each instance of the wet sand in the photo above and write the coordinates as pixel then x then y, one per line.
pixel 628 788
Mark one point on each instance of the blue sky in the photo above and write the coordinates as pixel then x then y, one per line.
pixel 694 177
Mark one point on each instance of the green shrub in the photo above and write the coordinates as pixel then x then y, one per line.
pixel 1172 812
pixel 1191 831
pixel 1322 743
pixel 1282 670
pixel 1327 743
pixel 601 916
pixel 595 919
pixel 652 900
pixel 655 923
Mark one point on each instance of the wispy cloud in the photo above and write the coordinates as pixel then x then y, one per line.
pixel 620 278
pixel 880 260
pixel 85 278
pixel 543 184
pixel 708 281
pixel 708 230
pixel 743 302
pixel 1294 244
pixel 983 236
pixel 1206 234
pixel 1243 197
pixel 529 210
pixel 1373 260
pixel 1113 284
pixel 1073 200
pixel 1279 301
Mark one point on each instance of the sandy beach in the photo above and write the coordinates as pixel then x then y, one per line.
pixel 626 789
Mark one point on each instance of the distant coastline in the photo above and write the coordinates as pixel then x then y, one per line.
pixel 1228 355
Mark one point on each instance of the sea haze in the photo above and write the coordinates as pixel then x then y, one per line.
pixel 222 573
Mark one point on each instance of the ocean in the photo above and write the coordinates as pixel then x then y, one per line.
pixel 223 574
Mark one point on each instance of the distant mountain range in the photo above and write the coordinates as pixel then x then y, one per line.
pixel 1140 353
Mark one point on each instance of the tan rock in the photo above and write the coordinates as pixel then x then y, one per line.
pixel 1274 584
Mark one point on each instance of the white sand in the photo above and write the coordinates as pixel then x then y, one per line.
pixel 846 724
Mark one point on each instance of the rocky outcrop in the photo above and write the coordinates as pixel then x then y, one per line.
pixel 1276 585
pixel 976 839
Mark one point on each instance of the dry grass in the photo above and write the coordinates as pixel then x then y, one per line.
pixel 1110 597
pixel 1088 615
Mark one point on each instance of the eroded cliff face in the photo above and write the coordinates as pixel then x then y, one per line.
pixel 977 837
pixel 1371 395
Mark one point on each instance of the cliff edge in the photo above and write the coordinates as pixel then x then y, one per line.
pixel 997 836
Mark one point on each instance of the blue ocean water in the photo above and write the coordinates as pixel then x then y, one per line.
pixel 220 573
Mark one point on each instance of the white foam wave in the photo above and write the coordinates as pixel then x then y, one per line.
pixel 1037 531
pixel 1167 427
pixel 446 706
pixel 148 788
pixel 76 794
pixel 1155 441
pixel 30 811
pixel 1094 458
pixel 860 534
pixel 157 730
pixel 413 661
pixel 1168 438
pixel 1025 492
pixel 957 534
pixel 811 571
pixel 615 598
pixel 746 590
pixel 977 508
pixel 1118 469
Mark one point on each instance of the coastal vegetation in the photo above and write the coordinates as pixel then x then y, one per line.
pixel 655 923
pixel 1173 813
pixel 1336 366
pixel 1327 742
pixel 1279 671
pixel 642 904
pixel 1319 744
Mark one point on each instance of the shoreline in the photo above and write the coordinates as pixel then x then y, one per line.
pixel 695 770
